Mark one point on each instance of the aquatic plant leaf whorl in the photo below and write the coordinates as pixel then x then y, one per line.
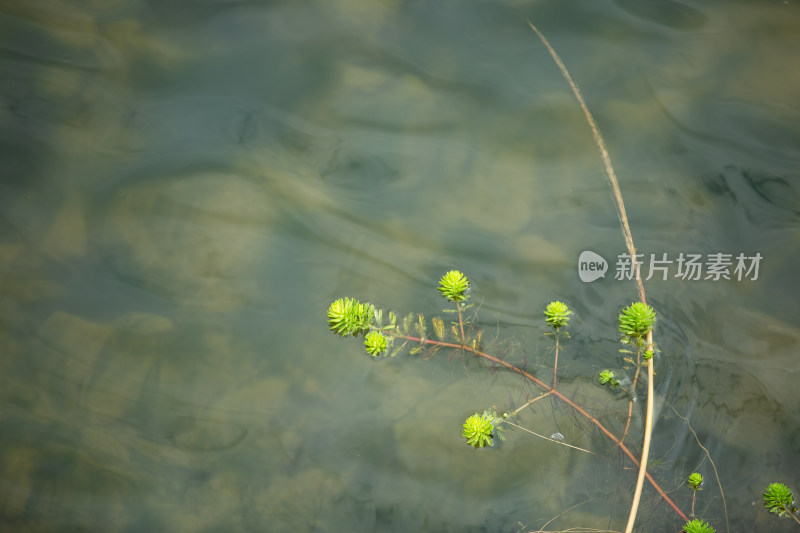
pixel 375 342
pixel 478 431
pixel 453 285
pixel 779 499
pixel 557 314
pixel 698 526
pixel 695 480
pixel 348 316
pixel 636 321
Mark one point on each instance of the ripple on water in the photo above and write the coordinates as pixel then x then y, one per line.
pixel 191 236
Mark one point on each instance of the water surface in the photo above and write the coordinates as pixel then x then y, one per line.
pixel 187 187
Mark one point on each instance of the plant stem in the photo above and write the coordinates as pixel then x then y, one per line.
pixel 694 493
pixel 461 323
pixel 547 438
pixel 621 445
pixel 648 432
pixel 555 363
pixel 713 465
pixel 526 404
pixel 633 392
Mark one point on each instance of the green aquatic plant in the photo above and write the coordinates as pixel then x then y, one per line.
pixel 557 315
pixel 348 316
pixel 478 430
pixel 779 499
pixel 421 335
pixel 698 526
pixel 608 377
pixel 636 321
pixel 694 481
pixel 453 285
pixel 375 343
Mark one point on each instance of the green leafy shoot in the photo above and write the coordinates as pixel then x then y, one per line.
pixel 478 430
pixel 608 377
pixel 375 343
pixel 453 285
pixel 698 526
pixel 348 316
pixel 438 327
pixel 779 499
pixel 694 481
pixel 635 322
pixel 557 315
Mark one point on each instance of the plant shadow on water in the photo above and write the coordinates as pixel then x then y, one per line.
pixel 188 187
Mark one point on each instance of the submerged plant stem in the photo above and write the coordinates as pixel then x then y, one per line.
pixel 555 364
pixel 547 388
pixel 548 438
pixel 714 466
pixel 633 392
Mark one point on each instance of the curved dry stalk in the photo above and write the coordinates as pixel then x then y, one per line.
pixel 548 438
pixel 626 233
pixel 529 402
pixel 716 474
pixel 565 511
pixel 648 432
pixel 601 145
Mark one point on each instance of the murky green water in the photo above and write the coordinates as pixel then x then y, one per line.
pixel 187 186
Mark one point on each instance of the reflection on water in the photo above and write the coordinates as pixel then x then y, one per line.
pixel 187 187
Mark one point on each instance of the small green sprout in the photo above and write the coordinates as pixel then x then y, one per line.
pixel 349 316
pixel 694 481
pixel 557 314
pixel 608 377
pixel 698 526
pixel 453 285
pixel 478 431
pixel 779 499
pixel 636 321
pixel 375 343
